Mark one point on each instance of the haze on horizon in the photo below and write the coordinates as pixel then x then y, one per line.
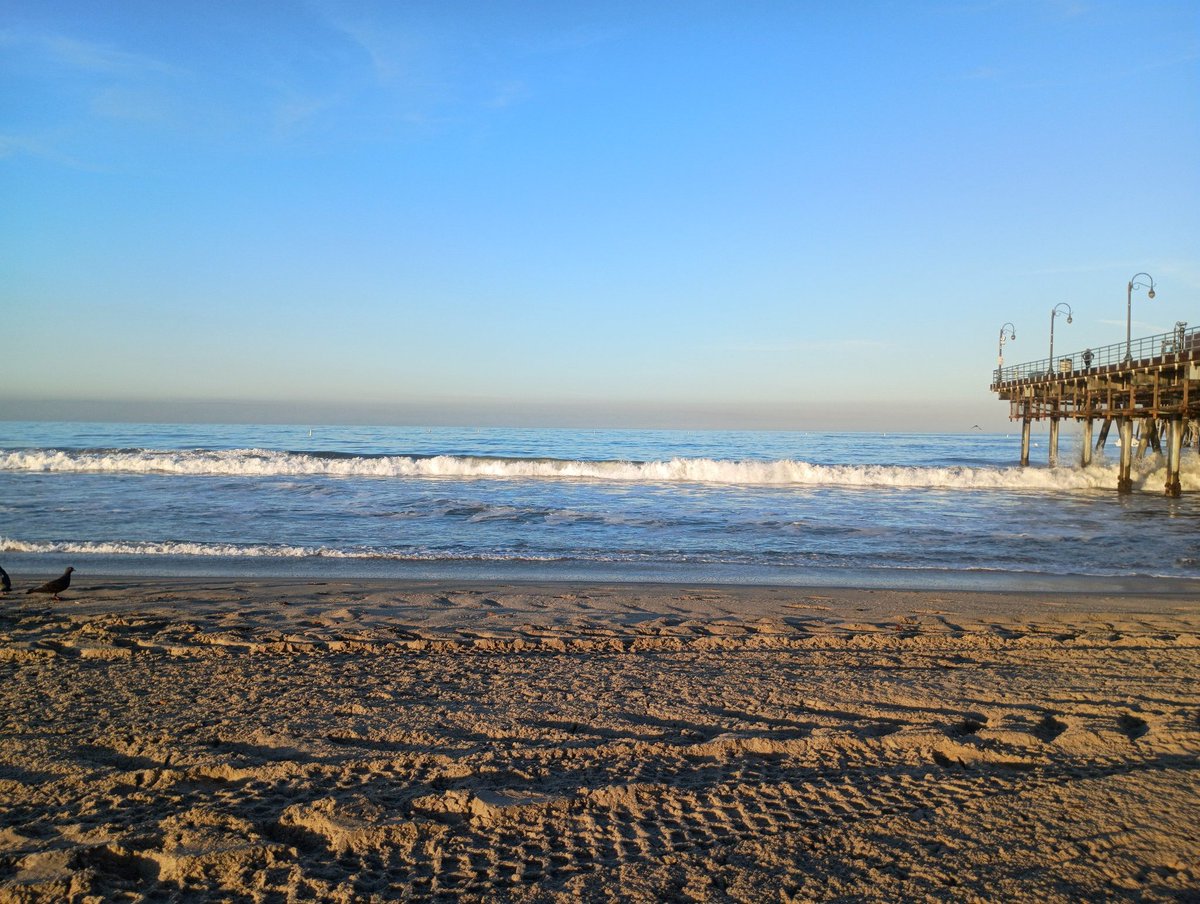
pixel 792 215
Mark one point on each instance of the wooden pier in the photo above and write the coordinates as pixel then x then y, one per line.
pixel 1148 386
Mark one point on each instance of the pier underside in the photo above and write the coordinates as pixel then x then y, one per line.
pixel 1156 398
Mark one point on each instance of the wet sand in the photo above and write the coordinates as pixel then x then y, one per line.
pixel 273 740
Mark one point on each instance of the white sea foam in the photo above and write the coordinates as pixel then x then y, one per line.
pixel 130 548
pixel 264 463
pixel 235 550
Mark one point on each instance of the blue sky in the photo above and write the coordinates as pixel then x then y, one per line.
pixel 682 214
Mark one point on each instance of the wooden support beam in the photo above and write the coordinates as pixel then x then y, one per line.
pixel 1145 428
pixel 1174 450
pixel 1124 480
pixel 1086 449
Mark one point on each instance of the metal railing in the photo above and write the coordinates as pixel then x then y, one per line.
pixel 1181 339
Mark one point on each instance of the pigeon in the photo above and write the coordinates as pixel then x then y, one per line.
pixel 57 586
pixel 5 583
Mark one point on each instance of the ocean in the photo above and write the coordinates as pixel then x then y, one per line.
pixel 919 511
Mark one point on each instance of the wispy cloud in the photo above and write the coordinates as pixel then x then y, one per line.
pixel 43 149
pixel 297 113
pixel 89 82
pixel 430 71
pixel 395 55
pixel 131 104
pixel 85 56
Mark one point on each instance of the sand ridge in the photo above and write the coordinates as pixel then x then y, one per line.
pixel 345 741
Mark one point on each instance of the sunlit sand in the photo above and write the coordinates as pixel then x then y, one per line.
pixel 351 741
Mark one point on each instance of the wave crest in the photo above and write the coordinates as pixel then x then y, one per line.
pixel 239 550
pixel 268 463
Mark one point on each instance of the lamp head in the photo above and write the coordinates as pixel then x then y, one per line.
pixel 1150 294
pixel 1068 318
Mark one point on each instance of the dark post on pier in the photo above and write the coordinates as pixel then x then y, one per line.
pixel 1151 383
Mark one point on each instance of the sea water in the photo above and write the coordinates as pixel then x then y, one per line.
pixel 803 508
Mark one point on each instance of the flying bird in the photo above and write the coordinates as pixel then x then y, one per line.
pixel 57 586
pixel 5 583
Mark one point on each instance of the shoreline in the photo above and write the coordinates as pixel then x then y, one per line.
pixel 373 740
pixel 91 594
pixel 652 574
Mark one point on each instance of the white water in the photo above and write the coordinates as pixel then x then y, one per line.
pixel 266 463
pixel 223 550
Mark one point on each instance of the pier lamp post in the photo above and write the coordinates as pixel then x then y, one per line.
pixel 1012 335
pixel 1058 309
pixel 1134 284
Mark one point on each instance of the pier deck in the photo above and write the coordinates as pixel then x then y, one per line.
pixel 1153 383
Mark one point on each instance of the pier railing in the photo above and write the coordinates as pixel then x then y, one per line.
pixel 1146 349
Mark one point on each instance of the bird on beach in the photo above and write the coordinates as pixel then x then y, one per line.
pixel 5 583
pixel 57 586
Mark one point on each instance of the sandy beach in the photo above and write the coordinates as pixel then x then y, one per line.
pixel 282 740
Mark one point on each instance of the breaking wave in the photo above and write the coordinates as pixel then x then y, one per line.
pixel 268 463
pixel 237 550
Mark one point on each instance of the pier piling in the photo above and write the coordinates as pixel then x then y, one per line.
pixel 1085 453
pixel 1174 452
pixel 1124 480
pixel 1053 442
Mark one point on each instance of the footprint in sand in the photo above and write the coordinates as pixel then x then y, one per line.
pixel 970 725
pixel 1132 727
pixel 1048 729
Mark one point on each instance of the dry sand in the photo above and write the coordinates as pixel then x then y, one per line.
pixel 353 741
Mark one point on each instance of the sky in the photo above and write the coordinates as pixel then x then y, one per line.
pixel 799 215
